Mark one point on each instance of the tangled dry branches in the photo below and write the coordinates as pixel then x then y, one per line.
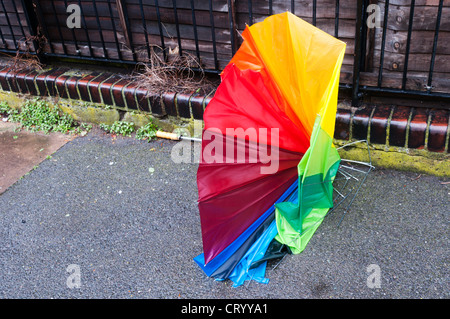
pixel 178 73
pixel 23 58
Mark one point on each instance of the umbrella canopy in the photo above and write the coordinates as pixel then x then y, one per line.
pixel 268 162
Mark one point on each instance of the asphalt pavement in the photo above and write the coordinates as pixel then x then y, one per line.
pixel 114 218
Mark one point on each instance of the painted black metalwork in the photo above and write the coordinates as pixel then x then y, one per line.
pixel 29 19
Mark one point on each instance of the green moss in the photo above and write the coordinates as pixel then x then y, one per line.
pixel 420 161
pixel 91 114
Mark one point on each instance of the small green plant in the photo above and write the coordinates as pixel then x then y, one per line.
pixel 119 127
pixel 147 132
pixel 38 115
pixel 8 111
pixel 4 108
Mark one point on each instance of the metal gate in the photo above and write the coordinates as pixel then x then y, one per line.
pixel 394 48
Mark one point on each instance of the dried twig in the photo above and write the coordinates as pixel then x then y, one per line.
pixel 174 75
pixel 24 59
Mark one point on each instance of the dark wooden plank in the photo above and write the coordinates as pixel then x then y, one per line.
pixel 417 62
pixel 421 42
pixel 302 8
pixel 218 5
pixel 416 81
pixel 184 16
pixel 424 17
pixel 418 2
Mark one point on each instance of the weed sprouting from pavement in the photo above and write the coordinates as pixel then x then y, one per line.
pixel 119 127
pixel 38 115
pixel 146 132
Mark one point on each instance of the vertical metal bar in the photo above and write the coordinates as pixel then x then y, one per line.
pixel 161 34
pixel 125 22
pixel 364 36
pixel 270 7
pixel 35 6
pixel 360 8
pixel 336 19
pixel 383 43
pixel 213 35
pixel 32 26
pixel 144 26
pixel 119 52
pixel 59 28
pixel 250 12
pixel 314 17
pixel 18 20
pixel 408 44
pixel 10 26
pixel 231 18
pixel 292 6
pixel 177 26
pixel 100 30
pixel 3 39
pixel 433 53
pixel 194 25
pixel 86 30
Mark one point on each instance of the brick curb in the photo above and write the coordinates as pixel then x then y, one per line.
pixel 392 126
pixel 102 87
pixel 397 126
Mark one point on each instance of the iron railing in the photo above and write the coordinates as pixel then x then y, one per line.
pixel 380 60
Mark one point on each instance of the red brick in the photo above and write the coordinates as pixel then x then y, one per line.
pixel 183 107
pixel 116 91
pixel 157 104
pixel 94 87
pixel 398 126
pixel 169 103
pixel 196 103
pixel 60 84
pixel 105 89
pixel 71 87
pixel 438 130
pixel 3 81
pixel 129 95
pixel 342 126
pixel 378 124
pixel 417 128
pixel 50 78
pixel 360 123
pixel 82 85
pixel 142 100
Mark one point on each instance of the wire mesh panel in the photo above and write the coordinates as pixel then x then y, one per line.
pixel 15 33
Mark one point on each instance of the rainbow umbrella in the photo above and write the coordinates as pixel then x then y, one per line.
pixel 268 162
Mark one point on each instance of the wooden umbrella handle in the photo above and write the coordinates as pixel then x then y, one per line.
pixel 169 136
